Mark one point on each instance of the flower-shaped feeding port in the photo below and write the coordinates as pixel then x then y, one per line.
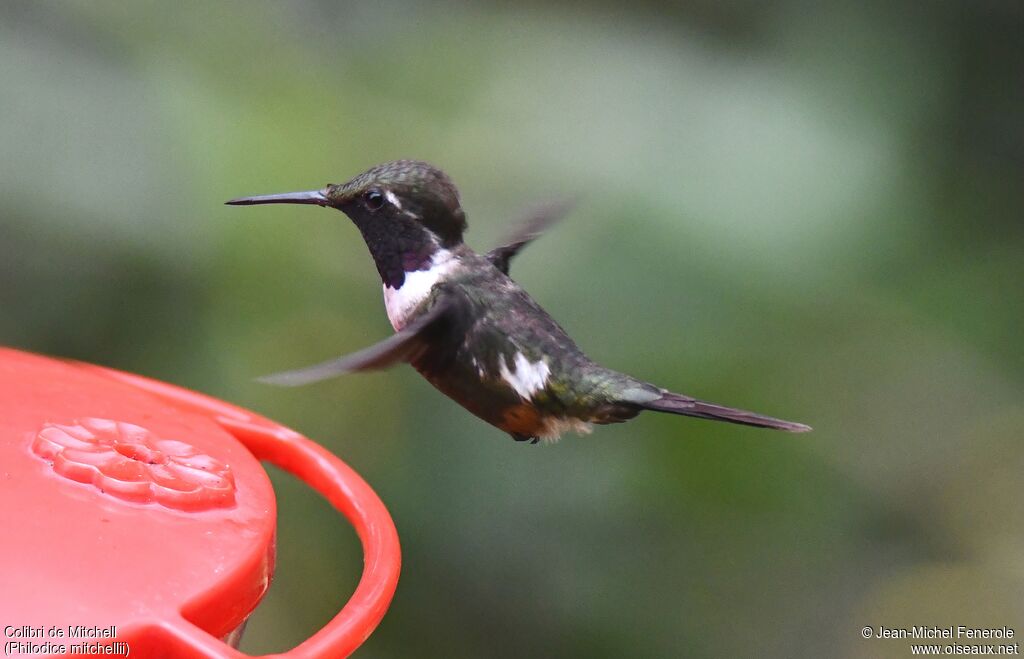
pixel 131 463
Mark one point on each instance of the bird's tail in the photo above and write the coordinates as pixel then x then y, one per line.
pixel 679 404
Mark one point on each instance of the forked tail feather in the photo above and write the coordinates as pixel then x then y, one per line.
pixel 679 404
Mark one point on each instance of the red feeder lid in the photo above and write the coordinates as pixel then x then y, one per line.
pixel 138 521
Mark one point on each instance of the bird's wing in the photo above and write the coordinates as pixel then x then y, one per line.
pixel 403 346
pixel 538 220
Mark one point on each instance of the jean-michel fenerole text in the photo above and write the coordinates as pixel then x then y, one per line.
pixel 957 631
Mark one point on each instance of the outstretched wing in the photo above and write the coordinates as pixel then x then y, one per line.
pixel 539 219
pixel 403 346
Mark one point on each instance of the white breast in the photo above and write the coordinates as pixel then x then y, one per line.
pixel 400 302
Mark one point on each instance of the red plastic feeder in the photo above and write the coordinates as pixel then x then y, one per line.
pixel 137 521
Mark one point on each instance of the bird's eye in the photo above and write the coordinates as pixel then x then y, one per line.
pixel 374 200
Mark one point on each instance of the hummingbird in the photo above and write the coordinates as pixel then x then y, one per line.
pixel 467 327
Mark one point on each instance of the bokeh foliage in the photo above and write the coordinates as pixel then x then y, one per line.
pixel 811 210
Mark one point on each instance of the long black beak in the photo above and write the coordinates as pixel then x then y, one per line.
pixel 315 197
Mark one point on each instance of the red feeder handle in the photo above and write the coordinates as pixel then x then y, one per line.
pixel 337 483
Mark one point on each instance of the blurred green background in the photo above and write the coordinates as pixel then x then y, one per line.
pixel 809 210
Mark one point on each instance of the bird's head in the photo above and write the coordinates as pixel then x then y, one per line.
pixel 407 210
